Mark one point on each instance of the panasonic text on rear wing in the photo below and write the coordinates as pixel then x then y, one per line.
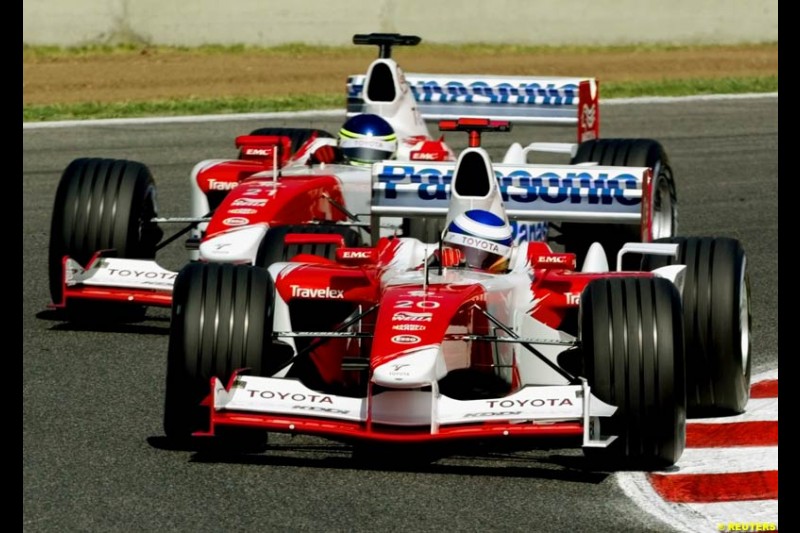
pixel 530 192
pixel 541 100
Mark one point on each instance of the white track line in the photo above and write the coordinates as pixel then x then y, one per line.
pixel 340 113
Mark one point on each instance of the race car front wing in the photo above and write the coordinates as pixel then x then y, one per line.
pixel 285 405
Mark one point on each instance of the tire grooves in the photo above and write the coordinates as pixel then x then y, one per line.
pixel 201 347
pixel 644 339
pixel 105 232
pixel 231 318
pixel 84 200
pixel 245 325
pixel 106 206
pixel 707 250
pixel 215 330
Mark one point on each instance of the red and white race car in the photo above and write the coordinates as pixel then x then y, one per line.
pixel 106 232
pixel 472 337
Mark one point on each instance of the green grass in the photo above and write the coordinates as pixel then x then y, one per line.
pixel 178 107
pixel 760 84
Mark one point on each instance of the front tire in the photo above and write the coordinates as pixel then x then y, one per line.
pixel 221 322
pixel 716 301
pixel 101 204
pixel 632 338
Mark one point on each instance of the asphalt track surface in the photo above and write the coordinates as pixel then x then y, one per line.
pixel 94 456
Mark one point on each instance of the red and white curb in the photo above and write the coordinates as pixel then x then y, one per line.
pixel 727 478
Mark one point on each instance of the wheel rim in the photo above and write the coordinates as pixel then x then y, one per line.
pixel 664 224
pixel 744 317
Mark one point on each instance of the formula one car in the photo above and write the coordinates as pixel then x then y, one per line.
pixel 471 337
pixel 106 230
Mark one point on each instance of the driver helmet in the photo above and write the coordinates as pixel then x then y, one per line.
pixel 366 139
pixel 483 239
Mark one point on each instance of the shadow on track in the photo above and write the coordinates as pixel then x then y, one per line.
pixel 147 325
pixel 481 460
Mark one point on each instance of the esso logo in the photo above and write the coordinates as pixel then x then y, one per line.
pixel 236 221
pixel 405 339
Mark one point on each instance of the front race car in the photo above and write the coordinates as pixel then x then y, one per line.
pixel 411 342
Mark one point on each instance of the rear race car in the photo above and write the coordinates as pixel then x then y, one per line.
pixel 410 343
pixel 106 229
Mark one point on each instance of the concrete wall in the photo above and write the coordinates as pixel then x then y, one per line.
pixel 333 22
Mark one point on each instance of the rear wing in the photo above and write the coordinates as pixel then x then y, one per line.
pixel 556 101
pixel 555 193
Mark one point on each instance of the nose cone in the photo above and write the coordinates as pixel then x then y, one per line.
pixel 417 369
pixel 236 246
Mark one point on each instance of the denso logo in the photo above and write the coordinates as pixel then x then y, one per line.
pixel 490 413
pixel 319 409
pixel 323 293
pixel 503 93
pixel 216 185
pixel 408 316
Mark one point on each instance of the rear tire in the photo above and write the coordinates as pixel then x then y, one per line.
pixel 221 322
pixel 716 302
pixel 577 237
pixel 102 204
pixel 632 338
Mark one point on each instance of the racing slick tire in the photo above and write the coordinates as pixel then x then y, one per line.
pixel 577 237
pixel 102 204
pixel 221 322
pixel 717 318
pixel 273 248
pixel 298 136
pixel 631 333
